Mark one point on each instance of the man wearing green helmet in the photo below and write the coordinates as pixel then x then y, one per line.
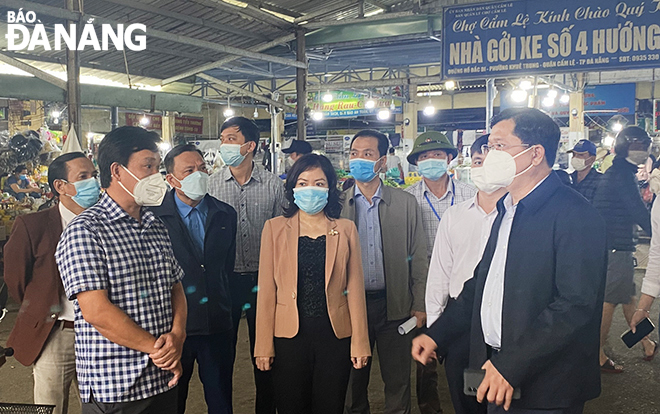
pixel 435 193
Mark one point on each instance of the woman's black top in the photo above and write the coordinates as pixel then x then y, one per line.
pixel 311 277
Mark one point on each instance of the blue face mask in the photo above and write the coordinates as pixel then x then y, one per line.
pixel 432 168
pixel 23 177
pixel 311 200
pixel 362 170
pixel 195 185
pixel 87 192
pixel 231 154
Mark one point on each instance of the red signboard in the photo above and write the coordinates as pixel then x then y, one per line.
pixel 154 121
pixel 182 125
pixel 189 125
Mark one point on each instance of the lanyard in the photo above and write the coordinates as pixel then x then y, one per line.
pixel 453 191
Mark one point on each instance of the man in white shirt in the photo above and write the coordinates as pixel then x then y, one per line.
pixel 43 335
pixel 435 193
pixel 459 244
pixel 394 168
pixel 534 305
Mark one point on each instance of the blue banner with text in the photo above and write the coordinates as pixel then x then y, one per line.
pixel 544 37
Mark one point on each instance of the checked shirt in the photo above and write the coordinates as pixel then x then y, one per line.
pixel 105 248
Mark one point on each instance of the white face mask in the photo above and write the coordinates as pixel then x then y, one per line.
pixel 149 191
pixel 499 168
pixel 637 157
pixel 654 181
pixel 579 164
pixel 195 185
pixel 479 180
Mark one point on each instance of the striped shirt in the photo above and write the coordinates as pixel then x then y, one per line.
pixel 261 198
pixel 104 248
pixel 457 192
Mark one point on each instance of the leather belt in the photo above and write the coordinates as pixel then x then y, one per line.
pixel 65 324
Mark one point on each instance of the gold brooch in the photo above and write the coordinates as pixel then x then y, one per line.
pixel 333 232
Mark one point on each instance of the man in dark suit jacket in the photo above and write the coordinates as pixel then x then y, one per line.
pixel 534 305
pixel 203 234
pixel 43 334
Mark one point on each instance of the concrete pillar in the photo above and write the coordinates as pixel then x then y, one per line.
pixel 212 120
pixel 301 83
pixel 114 117
pixel 577 130
pixel 276 132
pixel 491 93
pixel 73 79
pixel 168 128
pixel 410 112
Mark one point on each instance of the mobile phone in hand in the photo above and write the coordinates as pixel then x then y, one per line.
pixel 642 329
pixel 472 379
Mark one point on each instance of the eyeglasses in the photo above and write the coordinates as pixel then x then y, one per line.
pixel 500 147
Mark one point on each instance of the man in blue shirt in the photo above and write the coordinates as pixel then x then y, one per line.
pixel 18 184
pixel 203 233
pixel 395 263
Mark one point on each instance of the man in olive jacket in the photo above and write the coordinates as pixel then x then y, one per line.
pixel 394 259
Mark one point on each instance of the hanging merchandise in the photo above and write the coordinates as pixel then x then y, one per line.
pixel 49 141
pixel 26 145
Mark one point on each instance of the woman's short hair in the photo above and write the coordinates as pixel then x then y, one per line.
pixel 308 162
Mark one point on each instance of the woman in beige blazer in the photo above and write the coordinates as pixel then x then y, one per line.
pixel 311 312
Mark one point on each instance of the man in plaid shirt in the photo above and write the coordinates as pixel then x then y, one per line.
pixel 117 264
pixel 435 193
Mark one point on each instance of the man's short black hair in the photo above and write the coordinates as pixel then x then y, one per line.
pixel 118 146
pixel 249 129
pixel 19 168
pixel 58 170
pixel 476 145
pixel 533 127
pixel 383 141
pixel 391 150
pixel 175 152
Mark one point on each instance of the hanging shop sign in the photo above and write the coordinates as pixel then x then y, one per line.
pixel 617 98
pixel 336 146
pixel 147 121
pixel 535 37
pixel 182 124
pixel 656 115
pixel 189 125
pixel 344 104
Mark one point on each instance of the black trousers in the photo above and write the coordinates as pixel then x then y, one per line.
pixel 311 370
pixel 494 409
pixel 456 361
pixel 428 399
pixel 394 358
pixel 164 403
pixel 243 290
pixel 215 363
